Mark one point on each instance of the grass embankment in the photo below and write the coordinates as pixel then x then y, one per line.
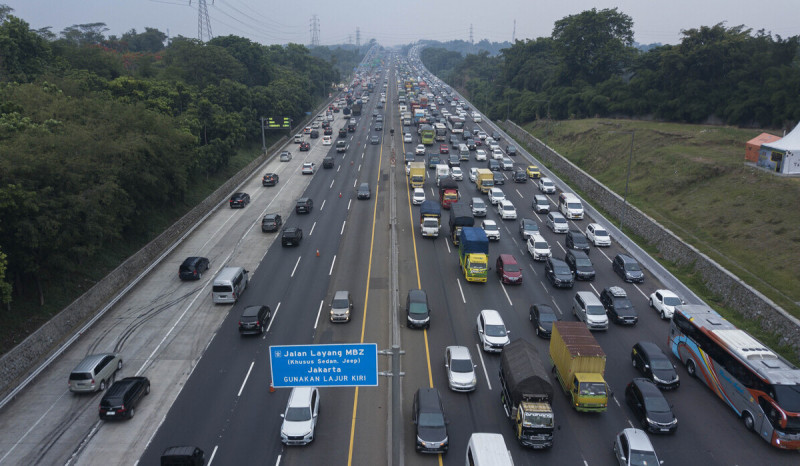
pixel 26 315
pixel 693 180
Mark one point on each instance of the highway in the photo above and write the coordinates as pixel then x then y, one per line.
pixel 210 386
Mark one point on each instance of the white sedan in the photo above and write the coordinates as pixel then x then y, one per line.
pixel 308 168
pixel 664 302
pixel 456 174
pixel 497 154
pixel 480 155
pixel 598 235
pixel 420 150
pixel 326 140
pixel 418 197
pixel 407 137
pixel 496 195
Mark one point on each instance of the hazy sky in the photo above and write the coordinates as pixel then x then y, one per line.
pixel 402 22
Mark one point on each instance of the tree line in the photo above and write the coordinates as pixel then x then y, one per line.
pixel 97 132
pixel 590 67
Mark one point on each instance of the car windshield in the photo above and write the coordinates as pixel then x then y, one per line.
pixel 788 397
pixel 595 310
pixel 561 269
pixel 511 268
pixel 656 404
pixel 600 233
pixel 672 301
pixel 340 303
pixel 622 303
pixel 508 207
pixel 660 364
pixel 632 267
pixel 298 414
pixel 642 458
pixel 547 318
pixel 574 205
pixel 461 365
pixel 418 308
pixel 582 262
pixel 496 330
pixel 559 220
pixel 431 420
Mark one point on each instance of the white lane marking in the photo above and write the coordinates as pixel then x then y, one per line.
pixel 278 461
pixel 595 290
pixel 318 313
pixel 503 287
pixel 245 378
pixel 603 253
pixel 332 264
pixel 271 320
pixel 562 247
pixel 641 292
pixel 295 267
pixel 520 194
pixel 343 224
pixel 355 182
pixel 485 373
pixel 331 186
pixel 348 204
pixel 558 309
pixel 213 453
pixel 322 207
pixel 463 300
pixel 359 169
pixel 34 425
pixel 312 228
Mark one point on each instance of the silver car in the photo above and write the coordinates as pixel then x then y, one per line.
pixel 95 372
pixel 460 369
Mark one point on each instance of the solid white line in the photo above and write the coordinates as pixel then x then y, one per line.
pixel 213 453
pixel 295 266
pixel 595 290
pixel 332 181
pixel 278 461
pixel 558 309
pixel 640 291
pixel 272 319
pixel 318 313
pixel 503 287
pixel 332 264
pixel 458 280
pixel 520 194
pixel 245 378
pixel 355 182
pixel 312 228
pixel 341 232
pixel 323 205
pixel 486 374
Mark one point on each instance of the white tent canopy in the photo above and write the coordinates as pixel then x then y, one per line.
pixel 789 143
pixel 783 155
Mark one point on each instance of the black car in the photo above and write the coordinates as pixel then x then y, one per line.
pixel 454 141
pixel 496 136
pixel 270 179
pixel 254 320
pixel 520 176
pixel 363 191
pixel 327 131
pixel 511 150
pixel 409 156
pixel 431 424
pixel 342 133
pixel 650 407
pixel 192 268
pixel 378 127
pixel 121 399
pixel 305 146
pixel 454 160
pixel 417 311
pixel 618 307
pixel 577 240
pixel 542 317
pixel 494 165
pixel 314 134
pixel 304 205
pixel 580 264
pixel 239 200
pixel 498 178
pixel 558 272
pixel 271 222
pixel 648 359
pixel 291 236
pixel 327 162
pixel 528 227
pixel 627 268
pixel 471 144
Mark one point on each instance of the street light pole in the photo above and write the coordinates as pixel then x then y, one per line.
pixel 547 128
pixel 627 180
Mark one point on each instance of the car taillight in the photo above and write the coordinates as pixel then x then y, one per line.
pixel 240 323
pixel 258 323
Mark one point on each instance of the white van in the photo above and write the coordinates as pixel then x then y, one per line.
pixel 229 284
pixel 570 206
pixel 442 172
pixel 463 152
pixel 488 450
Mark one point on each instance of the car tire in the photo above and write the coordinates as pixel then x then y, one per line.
pixel 261 330
pixel 132 413
pixel 147 390
pixel 663 315
pixel 651 303
pixel 633 361
pixel 119 365
pixel 537 331
pixel 102 385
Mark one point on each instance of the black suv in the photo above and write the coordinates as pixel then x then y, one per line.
pixel 627 268
pixel 239 200
pixel 542 316
pixel 193 268
pixel 431 424
pixel 650 407
pixel 271 222
pixel 520 176
pixel 580 264
pixel 648 359
pixel 121 399
pixel 254 320
pixel 618 307
pixel 270 179
pixel 291 236
pixel 511 150
pixel 327 162
pixel 558 272
pixel 577 240
pixel 304 205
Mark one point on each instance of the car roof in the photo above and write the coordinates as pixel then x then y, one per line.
pixel 251 311
pixel 428 400
pixel 666 293
pixel 577 254
pixel 545 308
pixel 417 295
pixel 637 439
pixel 508 258
pixel 492 317
pixel 555 215
pixel 651 348
pixel 617 291
pixel 626 258
pixel 299 397
pixel 537 237
pixel 646 386
pixel 459 352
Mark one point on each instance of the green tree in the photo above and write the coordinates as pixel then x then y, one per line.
pixel 23 53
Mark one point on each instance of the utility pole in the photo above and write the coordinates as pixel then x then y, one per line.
pixel 314 31
pixel 627 178
pixel 203 21
pixel 358 38
pixel 471 41
pixel 514 32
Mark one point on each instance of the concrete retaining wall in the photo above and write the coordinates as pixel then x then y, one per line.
pixel 735 293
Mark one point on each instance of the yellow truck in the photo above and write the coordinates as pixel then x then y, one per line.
pixel 579 364
pixel 416 174
pixel 485 180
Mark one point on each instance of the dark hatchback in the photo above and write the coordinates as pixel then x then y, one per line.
pixel 498 178
pixel 542 316
pixel 270 179
pixel 580 264
pixel 254 320
pixel 650 407
pixel 428 416
pixel 520 176
pixel 291 236
pixel 627 268
pixel 239 200
pixel 418 314
pixel 618 307
pixel 271 222
pixel 304 205
pixel 558 272
pixel 192 268
pixel 121 399
pixel 577 240
pixel 648 359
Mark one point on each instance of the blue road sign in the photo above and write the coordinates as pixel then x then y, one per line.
pixel 340 365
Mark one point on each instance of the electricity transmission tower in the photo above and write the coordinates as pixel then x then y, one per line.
pixel 358 38
pixel 203 21
pixel 314 31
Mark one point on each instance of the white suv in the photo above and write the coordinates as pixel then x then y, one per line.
pixel 496 195
pixel 557 222
pixel 506 210
pixel 538 247
pixel 418 197
pixel 300 418
pixel 492 331
pixel 546 185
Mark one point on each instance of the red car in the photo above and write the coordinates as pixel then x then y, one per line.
pixel 443 149
pixel 509 270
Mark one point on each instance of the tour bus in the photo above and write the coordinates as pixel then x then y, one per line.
pixel 441 131
pixel 760 386
pixel 426 133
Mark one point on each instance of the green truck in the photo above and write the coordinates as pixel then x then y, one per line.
pixel 579 364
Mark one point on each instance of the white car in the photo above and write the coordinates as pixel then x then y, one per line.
pixel 557 222
pixel 300 418
pixel 420 150
pixel 489 141
pixel 461 375
pixel 496 195
pixel 506 210
pixel 480 155
pixel 473 174
pixel 476 117
pixel 494 146
pixel 308 168
pixel 492 331
pixel 664 302
pixel 482 135
pixel 491 229
pixel 546 185
pixel 538 247
pixel 497 154
pixel 456 174
pixel 507 164
pixel 418 197
pixel 326 140
pixel 598 235
pixel 407 137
